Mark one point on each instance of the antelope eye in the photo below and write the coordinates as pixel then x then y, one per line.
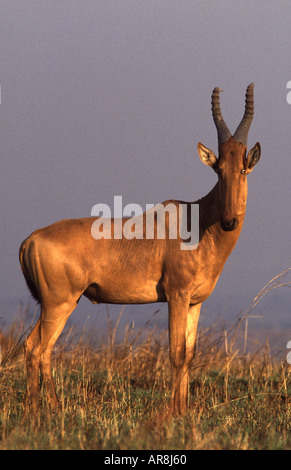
pixel 243 172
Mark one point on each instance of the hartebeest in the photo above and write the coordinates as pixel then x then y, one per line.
pixel 63 261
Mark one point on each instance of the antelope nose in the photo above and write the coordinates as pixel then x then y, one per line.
pixel 228 225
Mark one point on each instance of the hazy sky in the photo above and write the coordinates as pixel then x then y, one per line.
pixel 110 97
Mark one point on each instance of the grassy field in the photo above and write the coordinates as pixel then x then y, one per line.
pixel 115 396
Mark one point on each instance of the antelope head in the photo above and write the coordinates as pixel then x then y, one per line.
pixel 233 163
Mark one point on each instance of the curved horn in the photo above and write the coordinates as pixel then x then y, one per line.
pixel 241 134
pixel 222 129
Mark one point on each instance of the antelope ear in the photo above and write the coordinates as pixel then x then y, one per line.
pixel 206 155
pixel 253 157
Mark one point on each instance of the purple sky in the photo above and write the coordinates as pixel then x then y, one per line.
pixel 101 98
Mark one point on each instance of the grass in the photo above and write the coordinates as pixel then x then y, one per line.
pixel 115 396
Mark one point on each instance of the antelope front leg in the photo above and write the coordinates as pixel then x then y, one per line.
pixel 183 321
